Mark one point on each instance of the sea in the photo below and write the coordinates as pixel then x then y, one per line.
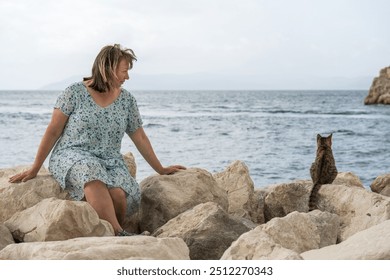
pixel 272 132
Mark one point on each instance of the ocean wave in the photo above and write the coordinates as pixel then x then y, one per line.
pixel 315 112
pixel 345 131
pixel 24 116
pixel 175 129
pixel 153 125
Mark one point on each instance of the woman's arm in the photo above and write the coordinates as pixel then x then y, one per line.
pixel 144 146
pixel 52 133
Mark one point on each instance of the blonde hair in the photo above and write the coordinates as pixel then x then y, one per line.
pixel 104 67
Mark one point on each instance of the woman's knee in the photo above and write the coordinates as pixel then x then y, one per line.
pixel 94 188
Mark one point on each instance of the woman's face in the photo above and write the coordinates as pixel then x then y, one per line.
pixel 122 73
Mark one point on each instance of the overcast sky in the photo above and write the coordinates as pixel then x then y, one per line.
pixel 278 44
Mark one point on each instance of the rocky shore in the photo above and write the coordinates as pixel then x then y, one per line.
pixel 194 214
pixel 380 89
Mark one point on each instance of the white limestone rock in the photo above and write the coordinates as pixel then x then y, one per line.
pixel 370 244
pixel 100 248
pixel 55 219
pixel 381 185
pixel 282 199
pixel 287 237
pixel 16 197
pixel 207 230
pixel 130 163
pixel 379 92
pixel 358 208
pixel 238 184
pixel 163 197
pixel 5 237
pixel 348 179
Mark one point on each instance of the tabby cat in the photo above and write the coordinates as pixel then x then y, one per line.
pixel 323 170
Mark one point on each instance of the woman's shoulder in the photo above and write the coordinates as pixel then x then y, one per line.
pixel 75 86
pixel 75 90
pixel 72 93
pixel 127 95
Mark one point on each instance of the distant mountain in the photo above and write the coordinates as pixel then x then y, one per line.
pixel 207 81
pixel 60 85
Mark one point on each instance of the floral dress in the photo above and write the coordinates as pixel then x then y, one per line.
pixel 89 148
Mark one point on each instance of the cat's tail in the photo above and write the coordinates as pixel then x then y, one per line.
pixel 313 197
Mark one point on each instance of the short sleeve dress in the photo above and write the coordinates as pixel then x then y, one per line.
pixel 89 148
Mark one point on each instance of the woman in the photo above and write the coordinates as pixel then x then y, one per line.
pixel 86 129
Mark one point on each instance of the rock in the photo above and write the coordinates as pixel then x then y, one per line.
pixel 301 232
pixel 236 181
pixel 198 215
pixel 258 202
pixel 100 248
pixel 283 199
pixel 381 185
pixel 358 209
pixel 207 230
pixel 348 179
pixel 54 219
pixel 20 196
pixel 285 238
pixel 380 89
pixel 130 163
pixel 5 237
pixel 369 244
pixel 257 245
pixel 163 197
pixel 132 223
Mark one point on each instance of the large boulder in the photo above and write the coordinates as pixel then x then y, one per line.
pixel 381 185
pixel 258 203
pixel 380 89
pixel 369 244
pixel 285 238
pixel 100 248
pixel 163 197
pixel 301 232
pixel 16 197
pixel 258 245
pixel 131 223
pixel 130 163
pixel 238 184
pixel 348 179
pixel 207 230
pixel 283 199
pixel 357 208
pixel 5 237
pixel 55 219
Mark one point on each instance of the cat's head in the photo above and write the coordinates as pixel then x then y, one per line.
pixel 324 141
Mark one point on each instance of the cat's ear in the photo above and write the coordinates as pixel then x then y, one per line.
pixel 329 138
pixel 318 140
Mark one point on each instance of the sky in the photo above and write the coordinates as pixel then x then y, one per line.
pixel 203 44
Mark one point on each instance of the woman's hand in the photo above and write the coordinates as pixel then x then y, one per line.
pixel 171 169
pixel 23 176
pixel 145 148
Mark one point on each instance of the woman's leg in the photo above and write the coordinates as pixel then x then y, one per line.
pixel 97 194
pixel 120 204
